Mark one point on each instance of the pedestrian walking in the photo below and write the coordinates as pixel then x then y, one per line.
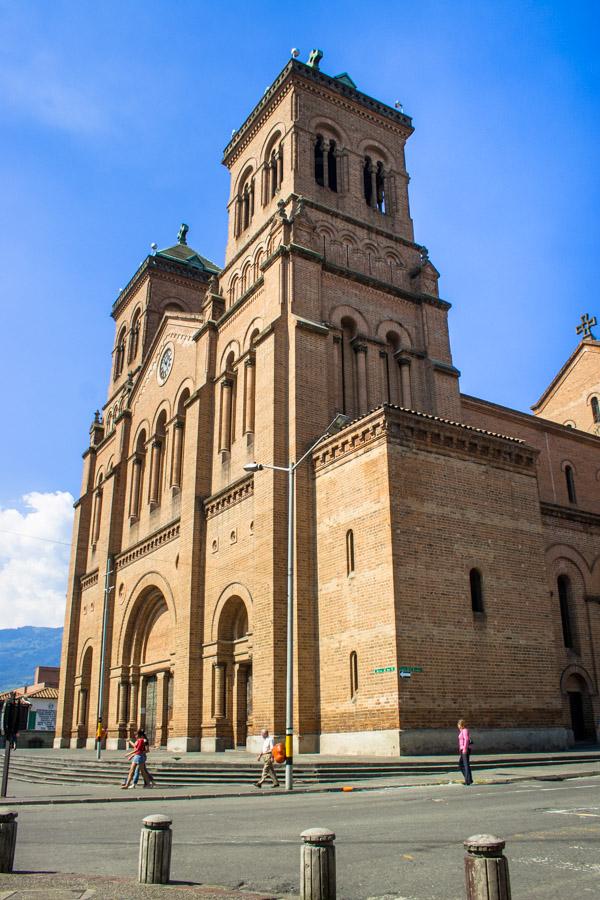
pixel 138 763
pixel 464 748
pixel 266 756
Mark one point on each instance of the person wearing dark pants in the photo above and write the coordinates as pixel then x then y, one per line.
pixel 464 748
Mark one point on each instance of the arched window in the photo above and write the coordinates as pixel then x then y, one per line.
pixel 157 461
pixel 348 379
pixel 349 552
pixel 367 180
pixel 476 590
pixel 374 185
pixel 380 188
pixel 134 337
pixel 353 674
pixel 228 398
pixel 565 601
pixel 137 477
pixel 319 166
pixel 244 204
pixel 595 404
pixel 179 441
pixel 570 479
pixel 120 352
pixel 97 513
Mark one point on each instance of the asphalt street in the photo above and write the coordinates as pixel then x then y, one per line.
pixel 392 844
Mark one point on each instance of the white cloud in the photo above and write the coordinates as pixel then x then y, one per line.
pixel 34 560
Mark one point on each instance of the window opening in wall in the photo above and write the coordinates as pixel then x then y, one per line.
pixel 319 173
pixel 332 167
pixel 380 188
pixel 564 598
pixel 349 552
pixel 476 590
pixel 570 479
pixel 353 674
pixel 595 409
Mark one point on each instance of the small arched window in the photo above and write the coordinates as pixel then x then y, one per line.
pixel 380 188
pixel 349 552
pixel 367 181
pixel 353 674
pixel 476 590
pixel 134 337
pixel 564 599
pixel 244 204
pixel 595 404
pixel 570 479
pixel 120 352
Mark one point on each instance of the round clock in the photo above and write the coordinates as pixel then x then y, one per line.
pixel 165 363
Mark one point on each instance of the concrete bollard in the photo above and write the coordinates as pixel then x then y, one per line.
pixel 155 850
pixel 486 869
pixel 317 864
pixel 8 838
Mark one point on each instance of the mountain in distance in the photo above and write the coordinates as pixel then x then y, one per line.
pixel 22 649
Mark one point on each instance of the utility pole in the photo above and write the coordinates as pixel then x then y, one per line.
pixel 107 590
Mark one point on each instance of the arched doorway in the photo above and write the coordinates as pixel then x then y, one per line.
pixel 83 685
pixel 233 673
pixel 580 708
pixel 148 658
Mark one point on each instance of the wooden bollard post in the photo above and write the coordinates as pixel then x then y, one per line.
pixel 155 850
pixel 317 864
pixel 8 838
pixel 486 869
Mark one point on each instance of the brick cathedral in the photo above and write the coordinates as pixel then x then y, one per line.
pixel 437 535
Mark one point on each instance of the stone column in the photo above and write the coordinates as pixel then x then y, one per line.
pixel 361 372
pixel 325 163
pixel 486 869
pixel 123 704
pixel 134 498
pixel 8 839
pixel 226 391
pixel 155 471
pixel 317 865
pixel 404 364
pixel 82 712
pixel 386 393
pixel 134 687
pixel 373 176
pixel 279 166
pixel 162 697
pixel 155 850
pixel 177 454
pixel 219 671
pixel 249 395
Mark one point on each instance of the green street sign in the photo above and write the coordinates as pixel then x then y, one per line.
pixel 384 669
pixel 410 669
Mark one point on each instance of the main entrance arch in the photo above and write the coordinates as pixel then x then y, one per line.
pixel 146 698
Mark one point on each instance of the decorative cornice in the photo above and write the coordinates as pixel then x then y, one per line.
pixel 229 497
pixel 88 580
pixel 428 433
pixel 163 536
pixel 349 97
pixel 580 516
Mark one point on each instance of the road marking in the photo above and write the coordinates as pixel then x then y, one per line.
pixel 564 865
pixel 583 812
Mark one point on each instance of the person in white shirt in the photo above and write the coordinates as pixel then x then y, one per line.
pixel 267 757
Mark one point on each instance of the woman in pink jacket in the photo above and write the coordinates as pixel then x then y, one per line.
pixel 464 748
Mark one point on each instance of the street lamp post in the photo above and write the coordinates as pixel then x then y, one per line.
pixel 338 422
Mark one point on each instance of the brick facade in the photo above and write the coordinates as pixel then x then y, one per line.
pixel 326 304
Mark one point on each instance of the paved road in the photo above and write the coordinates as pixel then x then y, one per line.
pixel 397 844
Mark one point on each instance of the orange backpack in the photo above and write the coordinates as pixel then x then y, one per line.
pixel 279 753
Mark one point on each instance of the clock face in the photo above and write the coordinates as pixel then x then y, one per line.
pixel 165 363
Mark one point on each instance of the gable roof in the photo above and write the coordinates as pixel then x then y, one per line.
pixel 181 253
pixel 566 368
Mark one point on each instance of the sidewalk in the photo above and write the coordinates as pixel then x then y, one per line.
pixel 21 793
pixel 55 886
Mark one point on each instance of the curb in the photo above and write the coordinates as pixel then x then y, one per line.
pixel 154 796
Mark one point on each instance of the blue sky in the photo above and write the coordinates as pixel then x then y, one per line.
pixel 113 117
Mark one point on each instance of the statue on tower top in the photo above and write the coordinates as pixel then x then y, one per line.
pixel 315 58
pixel 182 234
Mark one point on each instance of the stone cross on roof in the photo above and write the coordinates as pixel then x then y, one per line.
pixel 182 234
pixel 585 328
